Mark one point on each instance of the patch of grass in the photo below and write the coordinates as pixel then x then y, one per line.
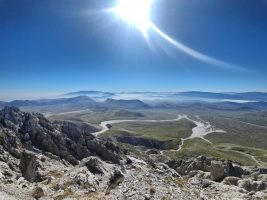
pixel 262 159
pixel 168 132
pixel 68 192
pixel 259 154
pixel 248 150
pixel 180 182
pixel 152 190
pixel 127 113
pixel 55 174
pixel 196 147
pixel 38 192
pixel 161 131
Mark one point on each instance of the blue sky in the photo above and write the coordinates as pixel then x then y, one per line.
pixel 50 46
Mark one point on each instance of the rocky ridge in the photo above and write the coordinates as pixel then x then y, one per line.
pixel 40 159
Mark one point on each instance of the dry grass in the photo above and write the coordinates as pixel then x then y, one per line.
pixel 152 190
pixel 67 192
pixel 38 193
pixel 180 182
pixel 55 174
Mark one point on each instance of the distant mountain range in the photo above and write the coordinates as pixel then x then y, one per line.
pixel 131 104
pixel 80 100
pixel 83 101
pixel 191 95
pixel 94 94
pixel 197 100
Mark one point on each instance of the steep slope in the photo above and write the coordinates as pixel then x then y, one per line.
pixel 64 139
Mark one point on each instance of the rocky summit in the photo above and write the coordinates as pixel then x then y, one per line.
pixel 40 159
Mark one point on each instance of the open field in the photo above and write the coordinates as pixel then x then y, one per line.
pixel 195 147
pixel 245 139
pixel 160 131
pixel 159 135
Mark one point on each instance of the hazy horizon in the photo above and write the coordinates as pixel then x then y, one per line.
pixel 64 94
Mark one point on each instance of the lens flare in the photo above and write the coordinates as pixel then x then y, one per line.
pixel 137 13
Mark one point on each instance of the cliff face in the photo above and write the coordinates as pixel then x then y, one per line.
pixel 32 131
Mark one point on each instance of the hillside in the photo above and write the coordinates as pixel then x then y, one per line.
pixel 61 160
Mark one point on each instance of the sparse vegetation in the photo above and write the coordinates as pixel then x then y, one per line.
pixel 196 147
pixel 68 192
pixel 152 190
pixel 38 192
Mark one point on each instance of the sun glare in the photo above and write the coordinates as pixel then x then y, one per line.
pixel 135 12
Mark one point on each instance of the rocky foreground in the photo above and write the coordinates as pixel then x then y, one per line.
pixel 62 160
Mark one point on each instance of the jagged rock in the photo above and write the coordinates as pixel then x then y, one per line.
pixel 231 180
pixel 29 167
pixel 193 173
pixel 94 165
pixel 26 137
pixel 38 192
pixel 10 142
pixel 263 170
pixel 116 178
pixel 262 177
pixel 250 185
pixel 206 183
pixel 236 171
pixel 219 170
pixel 83 179
pixel 66 140
pixel 102 151
pixel 22 182
pixel 183 167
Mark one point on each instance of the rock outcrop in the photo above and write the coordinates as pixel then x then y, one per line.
pixel 66 140
pixel 29 167
pixel 224 172
pixel 218 169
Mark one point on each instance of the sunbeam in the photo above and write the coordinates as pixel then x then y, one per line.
pixel 137 12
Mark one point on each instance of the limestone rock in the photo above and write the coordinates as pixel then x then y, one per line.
pixel 94 165
pixel 231 180
pixel 29 167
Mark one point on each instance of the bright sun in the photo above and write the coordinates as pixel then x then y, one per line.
pixel 135 12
